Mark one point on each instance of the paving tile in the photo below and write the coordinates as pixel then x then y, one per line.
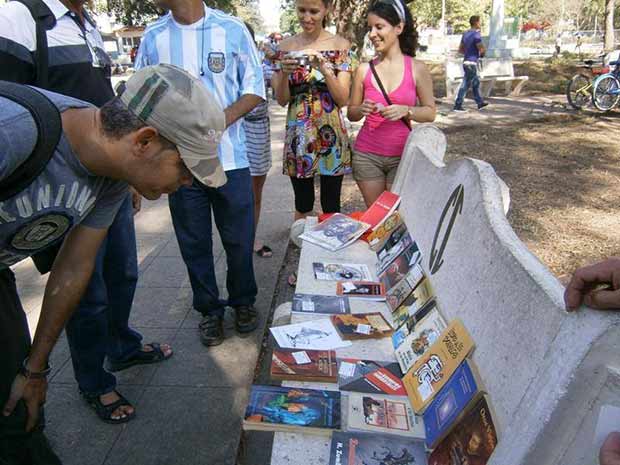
pixel 60 356
pixel 151 244
pixel 182 426
pixel 160 307
pixel 165 272
pixel 77 435
pixel 154 218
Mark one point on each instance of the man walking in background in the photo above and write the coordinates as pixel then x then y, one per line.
pixel 472 49
pixel 216 48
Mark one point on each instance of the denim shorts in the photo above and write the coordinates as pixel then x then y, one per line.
pixel 368 166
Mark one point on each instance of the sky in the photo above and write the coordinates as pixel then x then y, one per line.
pixel 270 11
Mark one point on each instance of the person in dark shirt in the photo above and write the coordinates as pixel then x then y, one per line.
pixel 472 49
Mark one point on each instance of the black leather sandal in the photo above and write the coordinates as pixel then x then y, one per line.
pixel 104 412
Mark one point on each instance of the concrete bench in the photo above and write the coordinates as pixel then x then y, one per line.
pixel 493 70
pixel 547 371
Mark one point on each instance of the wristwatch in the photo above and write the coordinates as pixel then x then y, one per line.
pixel 26 373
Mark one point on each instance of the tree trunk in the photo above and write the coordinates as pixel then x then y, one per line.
pixel 609 25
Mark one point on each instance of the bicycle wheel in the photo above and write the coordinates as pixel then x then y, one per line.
pixel 578 91
pixel 606 92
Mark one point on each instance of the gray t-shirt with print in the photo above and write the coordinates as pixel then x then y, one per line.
pixel 64 195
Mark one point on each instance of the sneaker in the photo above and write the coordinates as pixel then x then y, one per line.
pixel 459 109
pixel 482 105
pixel 245 318
pixel 211 330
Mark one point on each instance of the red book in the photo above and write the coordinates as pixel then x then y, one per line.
pixel 380 210
pixel 304 365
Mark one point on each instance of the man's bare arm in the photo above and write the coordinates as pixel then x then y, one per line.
pixel 241 107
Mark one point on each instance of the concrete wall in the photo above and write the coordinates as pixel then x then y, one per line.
pixel 547 371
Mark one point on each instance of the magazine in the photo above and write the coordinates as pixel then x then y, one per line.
pixel 336 232
pixel 341 272
pixel 326 304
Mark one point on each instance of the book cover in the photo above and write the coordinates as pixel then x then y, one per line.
pixel 417 298
pixel 375 449
pixel 326 304
pixel 341 271
pixel 425 333
pixel 304 365
pixel 415 316
pixel 392 239
pixel 368 290
pixel 451 402
pixel 380 234
pixel 362 326
pixel 336 232
pixel 400 266
pixel 381 209
pixel 313 335
pixel 398 293
pixel 387 257
pixel 433 370
pixel 370 376
pixel 383 414
pixel 275 408
pixel 472 441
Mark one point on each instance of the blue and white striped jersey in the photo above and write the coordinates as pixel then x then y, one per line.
pixel 221 47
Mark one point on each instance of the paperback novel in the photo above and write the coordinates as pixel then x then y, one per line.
pixel 375 449
pixel 380 234
pixel 412 317
pixel 336 232
pixel 370 376
pixel 326 304
pixel 274 408
pixel 381 209
pixel 387 257
pixel 433 370
pixel 367 290
pixel 400 266
pixel 397 294
pixel 471 442
pixel 420 295
pixel 341 271
pixel 361 326
pixel 304 365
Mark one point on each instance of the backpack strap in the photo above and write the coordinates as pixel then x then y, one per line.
pixel 44 20
pixel 49 128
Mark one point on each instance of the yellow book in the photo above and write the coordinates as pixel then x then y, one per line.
pixel 433 370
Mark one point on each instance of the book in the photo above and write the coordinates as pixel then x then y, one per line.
pixel 433 370
pixel 367 290
pixel 472 440
pixel 400 266
pixel 403 289
pixel 387 257
pixel 326 304
pixel 383 233
pixel 380 210
pixel 370 376
pixel 375 449
pixel 335 233
pixel 341 271
pixel 412 317
pixel 275 408
pixel 425 333
pixel 453 401
pixel 304 365
pixel 313 335
pixel 417 298
pixel 362 326
pixel 383 414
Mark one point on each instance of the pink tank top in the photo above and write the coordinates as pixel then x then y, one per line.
pixel 380 136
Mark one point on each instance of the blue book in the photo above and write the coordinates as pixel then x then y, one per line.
pixel 461 390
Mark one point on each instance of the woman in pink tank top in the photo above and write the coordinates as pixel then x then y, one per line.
pixel 409 87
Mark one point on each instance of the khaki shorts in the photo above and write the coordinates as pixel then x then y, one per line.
pixel 368 166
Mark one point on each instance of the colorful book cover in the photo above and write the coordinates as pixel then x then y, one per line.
pixel 472 440
pixel 392 239
pixel 370 376
pixel 341 271
pixel 400 334
pixel 361 326
pixel 433 370
pixel 397 294
pixel 325 304
pixel 275 408
pixel 425 333
pixel 383 414
pixel 453 400
pixel 380 234
pixel 381 209
pixel 400 266
pixel 375 449
pixel 312 334
pixel 304 365
pixel 336 232
pixel 368 290
pixel 420 295
pixel 387 257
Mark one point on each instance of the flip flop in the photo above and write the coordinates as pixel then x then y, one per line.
pixel 142 357
pixel 264 252
pixel 104 412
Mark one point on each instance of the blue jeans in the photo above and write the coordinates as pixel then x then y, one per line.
pixel 100 325
pixel 233 210
pixel 469 79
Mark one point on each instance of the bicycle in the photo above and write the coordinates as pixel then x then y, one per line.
pixel 579 88
pixel 606 89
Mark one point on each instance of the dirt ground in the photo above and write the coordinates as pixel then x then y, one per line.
pixel 564 180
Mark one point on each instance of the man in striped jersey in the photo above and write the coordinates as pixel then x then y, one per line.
pixel 79 67
pixel 218 49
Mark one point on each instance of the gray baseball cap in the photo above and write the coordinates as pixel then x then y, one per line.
pixel 179 106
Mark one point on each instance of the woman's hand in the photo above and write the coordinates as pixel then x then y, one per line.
pixel 395 112
pixel 367 107
pixel 289 66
